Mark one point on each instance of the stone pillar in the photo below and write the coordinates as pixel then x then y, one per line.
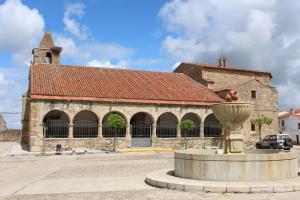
pixel 128 134
pixel 202 130
pixel 236 141
pixel 100 134
pixel 153 131
pixel 71 128
pixel 71 131
pixel 178 135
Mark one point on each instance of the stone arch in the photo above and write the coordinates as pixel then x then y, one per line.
pixel 56 123
pixel 197 121
pixel 106 132
pixel 141 125
pixel 166 125
pixel 212 126
pixel 85 124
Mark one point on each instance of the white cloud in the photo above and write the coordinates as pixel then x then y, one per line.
pixel 72 13
pixel 264 35
pixel 21 28
pixel 84 52
pixel 105 63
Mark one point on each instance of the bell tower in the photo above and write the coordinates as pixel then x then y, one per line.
pixel 47 52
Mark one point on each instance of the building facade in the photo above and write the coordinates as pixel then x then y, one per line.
pixel 69 105
pixel 252 86
pixel 289 123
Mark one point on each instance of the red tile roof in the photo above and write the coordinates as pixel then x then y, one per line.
pixel 287 114
pixel 47 41
pixel 116 85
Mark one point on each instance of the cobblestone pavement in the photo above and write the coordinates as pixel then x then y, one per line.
pixel 98 176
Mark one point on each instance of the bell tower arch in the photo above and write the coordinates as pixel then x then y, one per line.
pixel 47 52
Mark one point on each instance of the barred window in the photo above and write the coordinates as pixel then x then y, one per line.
pixel 197 121
pixel 56 124
pixel 85 125
pixel 166 126
pixel 212 126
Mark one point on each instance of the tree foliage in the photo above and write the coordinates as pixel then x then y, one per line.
pixel 187 125
pixel 260 121
pixel 116 122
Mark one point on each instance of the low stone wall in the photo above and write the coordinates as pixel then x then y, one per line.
pixel 106 144
pixel 10 135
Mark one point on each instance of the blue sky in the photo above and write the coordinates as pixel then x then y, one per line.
pixel 152 35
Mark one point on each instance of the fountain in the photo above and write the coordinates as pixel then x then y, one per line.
pixel 233 163
pixel 240 164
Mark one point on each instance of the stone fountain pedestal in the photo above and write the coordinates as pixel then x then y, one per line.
pixel 235 169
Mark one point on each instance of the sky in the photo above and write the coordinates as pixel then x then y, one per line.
pixel 151 35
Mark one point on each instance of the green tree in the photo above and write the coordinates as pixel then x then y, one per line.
pixel 116 122
pixel 185 126
pixel 260 121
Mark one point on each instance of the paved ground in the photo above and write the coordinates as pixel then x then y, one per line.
pixel 98 176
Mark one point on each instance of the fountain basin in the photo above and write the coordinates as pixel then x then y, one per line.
pixel 253 165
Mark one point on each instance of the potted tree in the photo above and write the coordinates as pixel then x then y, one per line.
pixel 185 126
pixel 116 122
pixel 260 121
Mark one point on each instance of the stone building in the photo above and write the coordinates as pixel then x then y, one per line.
pixel 70 105
pixel 252 86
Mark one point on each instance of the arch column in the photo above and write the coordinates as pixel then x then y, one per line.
pixel 127 135
pixel 202 129
pixel 178 135
pixel 100 134
pixel 153 131
pixel 71 131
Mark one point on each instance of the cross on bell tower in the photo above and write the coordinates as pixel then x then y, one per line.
pixel 47 52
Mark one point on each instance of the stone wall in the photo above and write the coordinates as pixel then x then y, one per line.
pixel 224 78
pixel 10 135
pixel 265 103
pixel 39 108
pixel 39 56
pixel 2 124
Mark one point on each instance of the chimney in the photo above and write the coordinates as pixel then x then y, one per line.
pixel 223 61
pixel 292 111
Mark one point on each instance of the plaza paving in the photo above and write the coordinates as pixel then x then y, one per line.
pixel 98 176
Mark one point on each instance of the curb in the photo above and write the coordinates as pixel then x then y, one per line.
pixel 165 179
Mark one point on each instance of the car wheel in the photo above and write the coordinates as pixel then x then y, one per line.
pixel 258 146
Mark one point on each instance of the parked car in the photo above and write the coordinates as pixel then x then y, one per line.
pixel 276 141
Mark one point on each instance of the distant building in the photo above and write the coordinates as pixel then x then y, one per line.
pixel 289 122
pixel 2 124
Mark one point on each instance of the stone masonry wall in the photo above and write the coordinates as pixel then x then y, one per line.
pixel 39 56
pixel 224 78
pixel 39 108
pixel 265 103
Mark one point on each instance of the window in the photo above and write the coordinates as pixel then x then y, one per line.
pixel 253 94
pixel 252 127
pixel 48 58
pixel 282 123
pixel 298 125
